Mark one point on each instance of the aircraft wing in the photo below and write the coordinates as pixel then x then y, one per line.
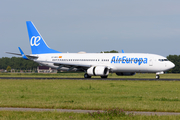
pixel 69 65
pixel 79 67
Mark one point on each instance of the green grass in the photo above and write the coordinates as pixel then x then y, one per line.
pixel 91 94
pixel 55 75
pixel 16 115
pixel 81 75
pixel 88 94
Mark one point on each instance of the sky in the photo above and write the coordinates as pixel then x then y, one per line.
pixel 136 26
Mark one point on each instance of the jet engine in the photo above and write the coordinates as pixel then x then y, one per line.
pixel 98 71
pixel 125 73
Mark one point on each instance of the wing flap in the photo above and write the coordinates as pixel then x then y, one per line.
pixel 71 66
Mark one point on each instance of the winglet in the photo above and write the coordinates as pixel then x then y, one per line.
pixel 22 53
pixel 122 51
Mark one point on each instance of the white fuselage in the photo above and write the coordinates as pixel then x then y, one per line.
pixel 116 62
pixel 93 64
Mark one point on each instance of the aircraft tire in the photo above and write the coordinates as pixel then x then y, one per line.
pixel 86 76
pixel 157 76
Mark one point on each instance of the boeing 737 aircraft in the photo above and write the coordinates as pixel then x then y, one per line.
pixel 93 64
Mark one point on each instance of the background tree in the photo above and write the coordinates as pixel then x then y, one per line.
pixel 176 60
pixel 112 51
pixel 17 63
pixel 8 68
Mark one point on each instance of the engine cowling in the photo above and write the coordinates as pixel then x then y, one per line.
pixel 98 71
pixel 125 73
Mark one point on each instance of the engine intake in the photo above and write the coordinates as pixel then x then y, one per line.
pixel 98 71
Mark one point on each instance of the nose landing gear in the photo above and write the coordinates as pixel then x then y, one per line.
pixel 158 73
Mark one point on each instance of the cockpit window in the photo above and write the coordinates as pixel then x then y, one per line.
pixel 163 60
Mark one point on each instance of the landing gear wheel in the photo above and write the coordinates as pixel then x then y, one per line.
pixel 157 76
pixel 104 76
pixel 86 76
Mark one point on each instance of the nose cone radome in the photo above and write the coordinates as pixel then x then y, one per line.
pixel 171 65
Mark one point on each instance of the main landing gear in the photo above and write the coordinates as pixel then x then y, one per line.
pixel 157 76
pixel 86 76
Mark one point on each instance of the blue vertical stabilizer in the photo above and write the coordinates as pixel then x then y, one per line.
pixel 38 45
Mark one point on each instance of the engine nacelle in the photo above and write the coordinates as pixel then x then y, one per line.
pixel 98 71
pixel 125 73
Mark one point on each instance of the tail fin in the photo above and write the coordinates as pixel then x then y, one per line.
pixel 38 45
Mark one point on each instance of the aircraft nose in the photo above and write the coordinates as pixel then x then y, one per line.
pixel 171 65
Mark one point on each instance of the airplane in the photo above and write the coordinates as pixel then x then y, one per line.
pixel 93 64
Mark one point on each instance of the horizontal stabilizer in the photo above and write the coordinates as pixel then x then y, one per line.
pixel 29 56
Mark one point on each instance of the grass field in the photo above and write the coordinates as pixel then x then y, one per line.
pixel 81 75
pixel 14 115
pixel 91 94
pixel 88 94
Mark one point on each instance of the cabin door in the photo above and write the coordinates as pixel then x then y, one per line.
pixel 151 62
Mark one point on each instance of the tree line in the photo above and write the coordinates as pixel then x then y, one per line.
pixel 176 60
pixel 18 63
